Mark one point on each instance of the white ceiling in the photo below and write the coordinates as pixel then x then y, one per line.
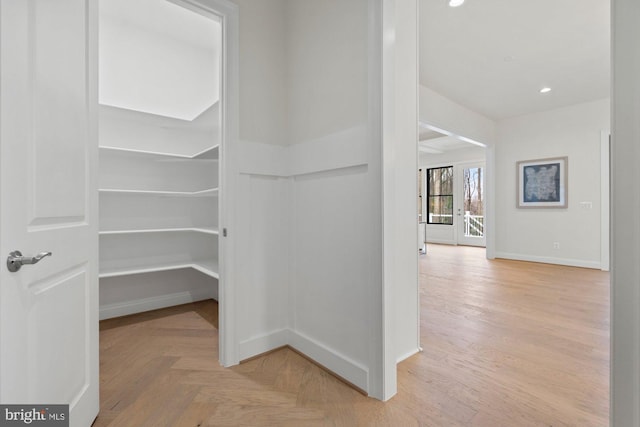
pixel 163 17
pixel 493 56
pixel 157 57
pixel 442 144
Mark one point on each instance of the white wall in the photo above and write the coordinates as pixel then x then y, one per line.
pixel 326 67
pixel 261 213
pixel 157 73
pixel 399 138
pixel 262 275
pixel 299 212
pixel 625 286
pixel 471 153
pixel 310 247
pixel 327 45
pixel 439 111
pixel 529 234
pixel 263 94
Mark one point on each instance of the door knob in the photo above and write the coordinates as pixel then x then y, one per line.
pixel 15 260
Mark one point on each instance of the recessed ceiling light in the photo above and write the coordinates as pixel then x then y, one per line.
pixel 455 3
pixel 545 90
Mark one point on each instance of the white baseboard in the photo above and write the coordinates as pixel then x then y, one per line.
pixel 407 355
pixel 549 260
pixel 153 303
pixel 441 242
pixel 342 366
pixel 262 344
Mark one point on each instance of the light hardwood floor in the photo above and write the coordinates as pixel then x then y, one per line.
pixel 506 343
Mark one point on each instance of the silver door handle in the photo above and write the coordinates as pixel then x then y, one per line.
pixel 15 260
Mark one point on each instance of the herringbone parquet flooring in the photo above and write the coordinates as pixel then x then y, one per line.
pixel 506 343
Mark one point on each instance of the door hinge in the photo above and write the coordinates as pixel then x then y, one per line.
pixel 224 232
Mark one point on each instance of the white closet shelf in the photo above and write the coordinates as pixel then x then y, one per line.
pixel 205 230
pixel 208 267
pixel 207 153
pixel 201 193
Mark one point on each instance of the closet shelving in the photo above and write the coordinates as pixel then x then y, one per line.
pixel 206 154
pixel 161 230
pixel 205 192
pixel 208 267
pixel 159 196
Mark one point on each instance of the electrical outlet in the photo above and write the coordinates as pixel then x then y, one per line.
pixel 556 245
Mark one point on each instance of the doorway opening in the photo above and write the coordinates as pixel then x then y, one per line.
pixel 161 141
pixel 502 81
pixel 452 190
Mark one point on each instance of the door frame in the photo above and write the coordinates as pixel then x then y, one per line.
pixel 605 193
pixel 625 221
pixel 227 13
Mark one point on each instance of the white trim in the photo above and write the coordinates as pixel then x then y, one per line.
pixel 153 303
pixel 549 260
pixel 424 124
pixel 408 355
pixel 605 234
pixel 625 233
pixel 384 370
pixel 440 241
pixel 342 149
pixel 199 155
pixel 398 36
pixel 209 192
pixel 352 371
pixel 259 158
pixel 341 365
pixel 489 198
pixel 374 239
pixel 262 344
pixel 228 15
pixel 347 148
pixel 204 230
pixel 418 307
pixel 445 164
pixel 209 268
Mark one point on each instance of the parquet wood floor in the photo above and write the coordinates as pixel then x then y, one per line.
pixel 506 343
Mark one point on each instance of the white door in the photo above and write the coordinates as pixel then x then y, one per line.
pixel 48 202
pixel 470 213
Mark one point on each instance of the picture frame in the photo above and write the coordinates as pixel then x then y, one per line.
pixel 542 183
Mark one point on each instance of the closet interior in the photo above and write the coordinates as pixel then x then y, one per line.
pixel 159 136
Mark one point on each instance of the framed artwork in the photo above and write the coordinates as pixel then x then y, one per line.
pixel 542 183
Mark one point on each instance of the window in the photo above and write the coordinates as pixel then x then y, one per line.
pixel 440 195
